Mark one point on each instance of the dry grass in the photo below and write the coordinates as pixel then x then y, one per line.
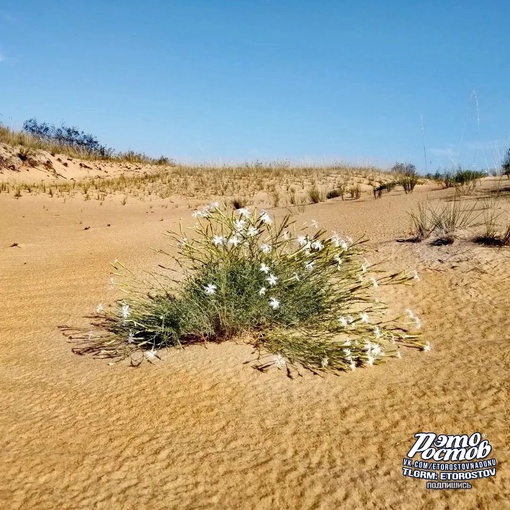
pixel 275 184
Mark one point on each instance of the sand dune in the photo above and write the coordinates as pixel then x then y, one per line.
pixel 201 429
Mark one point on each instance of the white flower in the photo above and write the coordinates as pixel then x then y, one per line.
pixel 324 362
pixel 234 240
pixel 374 282
pixel 338 259
pixel 262 291
pixel 274 303
pixel 352 365
pixel 347 343
pixel 212 206
pixel 151 355
pixel 309 265
pixel 125 310
pixel 199 214
pixel 416 276
pixel 239 225
pixel 427 347
pixel 375 349
pixel 272 279
pixel 244 212
pixel 347 352
pixel 315 224
pixel 252 231
pixel 265 218
pixel 210 288
pixel 370 360
pixel 317 245
pixel 413 317
pixel 265 248
pixel 363 317
pixel 100 308
pixel 279 361
pixel 131 338
pixel 302 241
pixel 363 268
pixel 218 240
pixel 264 268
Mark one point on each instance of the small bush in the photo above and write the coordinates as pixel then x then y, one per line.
pixel 239 202
pixel 505 167
pixel 302 299
pixel 334 193
pixel 408 177
pixel 315 195
pixel 355 192
pixel 387 187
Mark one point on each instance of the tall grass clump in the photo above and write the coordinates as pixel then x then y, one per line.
pixel 493 234
pixel 303 299
pixel 443 221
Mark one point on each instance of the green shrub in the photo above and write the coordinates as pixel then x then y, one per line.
pixel 302 299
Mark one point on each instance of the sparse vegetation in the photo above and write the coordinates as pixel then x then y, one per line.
pixel 316 195
pixel 71 142
pixel 505 166
pixel 442 221
pixel 407 176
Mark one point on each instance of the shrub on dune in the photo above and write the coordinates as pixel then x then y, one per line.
pixel 301 298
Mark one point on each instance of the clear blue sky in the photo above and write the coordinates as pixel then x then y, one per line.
pixel 236 80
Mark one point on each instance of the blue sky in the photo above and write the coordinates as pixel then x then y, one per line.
pixel 234 80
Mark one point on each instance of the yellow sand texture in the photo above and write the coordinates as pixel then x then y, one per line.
pixel 201 429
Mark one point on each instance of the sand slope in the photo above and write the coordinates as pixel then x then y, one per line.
pixel 201 429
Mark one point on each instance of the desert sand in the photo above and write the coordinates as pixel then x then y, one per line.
pixel 200 428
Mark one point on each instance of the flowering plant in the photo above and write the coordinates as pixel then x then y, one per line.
pixel 302 298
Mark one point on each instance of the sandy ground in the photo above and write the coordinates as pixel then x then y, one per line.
pixel 201 429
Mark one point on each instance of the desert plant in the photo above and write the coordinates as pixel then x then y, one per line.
pixel 239 202
pixel 442 221
pixel 302 298
pixel 387 187
pixel 422 224
pixel 334 193
pixel 505 166
pixel 492 234
pixel 315 195
pixel 355 192
pixel 408 177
